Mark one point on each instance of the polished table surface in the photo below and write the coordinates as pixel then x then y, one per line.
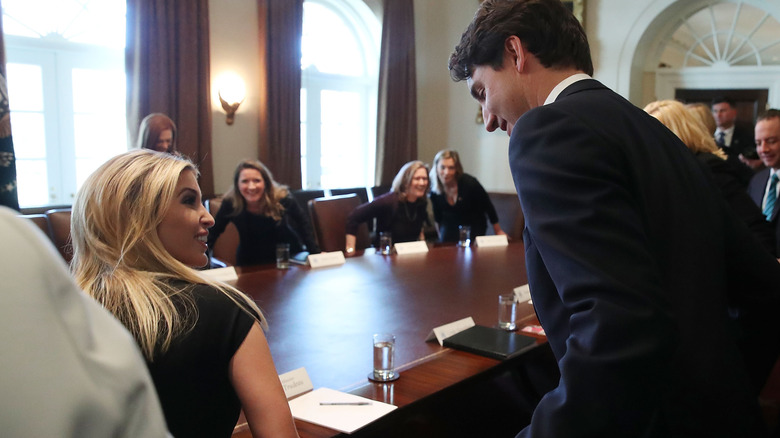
pixel 323 319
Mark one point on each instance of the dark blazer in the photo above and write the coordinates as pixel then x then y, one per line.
pixel 630 251
pixel 756 190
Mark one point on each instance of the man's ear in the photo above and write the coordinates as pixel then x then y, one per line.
pixel 513 49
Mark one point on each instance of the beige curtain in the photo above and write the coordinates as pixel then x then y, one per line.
pixel 167 66
pixel 281 27
pixel 397 102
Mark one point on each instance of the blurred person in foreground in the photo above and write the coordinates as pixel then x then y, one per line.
pixel 631 253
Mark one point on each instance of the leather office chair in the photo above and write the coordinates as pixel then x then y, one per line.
pixel 361 193
pixel 378 191
pixel 40 221
pixel 225 247
pixel 329 218
pixel 59 231
pixel 510 215
pixel 304 196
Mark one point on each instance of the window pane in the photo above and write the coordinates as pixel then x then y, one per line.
pixel 25 87
pixel 33 185
pixel 342 151
pixel 98 137
pixel 98 91
pixel 28 135
pixel 329 44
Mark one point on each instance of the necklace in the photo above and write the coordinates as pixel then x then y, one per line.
pixel 410 217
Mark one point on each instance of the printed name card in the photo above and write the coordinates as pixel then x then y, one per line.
pixel 296 382
pixel 447 330
pixel 416 247
pixel 523 293
pixel 487 241
pixel 221 274
pixel 323 259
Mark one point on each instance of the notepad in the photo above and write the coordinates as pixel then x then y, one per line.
pixel 344 418
pixel 491 342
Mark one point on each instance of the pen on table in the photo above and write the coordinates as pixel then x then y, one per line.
pixel 344 403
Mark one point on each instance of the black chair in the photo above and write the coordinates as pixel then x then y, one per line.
pixel 510 215
pixel 378 191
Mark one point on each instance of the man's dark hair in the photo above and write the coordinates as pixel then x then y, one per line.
pixel 769 114
pixel 723 99
pixel 548 30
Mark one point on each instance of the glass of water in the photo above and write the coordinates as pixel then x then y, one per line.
pixel 507 312
pixel 385 243
pixel 384 358
pixel 464 235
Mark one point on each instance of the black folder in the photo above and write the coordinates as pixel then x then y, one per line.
pixel 491 342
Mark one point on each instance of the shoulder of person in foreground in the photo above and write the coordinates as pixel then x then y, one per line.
pixel 102 386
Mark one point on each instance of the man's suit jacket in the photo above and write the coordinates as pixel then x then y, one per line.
pixel 630 251
pixel 742 142
pixel 756 190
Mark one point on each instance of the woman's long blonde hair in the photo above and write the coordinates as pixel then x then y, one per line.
pixel 119 259
pixel 273 194
pixel 689 128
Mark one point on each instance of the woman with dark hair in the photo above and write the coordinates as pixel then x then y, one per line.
pixel 459 199
pixel 402 211
pixel 265 214
pixel 158 133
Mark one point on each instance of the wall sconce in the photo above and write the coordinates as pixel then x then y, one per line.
pixel 231 94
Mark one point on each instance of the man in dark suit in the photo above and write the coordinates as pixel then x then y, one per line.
pixel 763 187
pixel 736 141
pixel 630 252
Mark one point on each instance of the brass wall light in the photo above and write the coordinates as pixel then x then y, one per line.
pixel 231 94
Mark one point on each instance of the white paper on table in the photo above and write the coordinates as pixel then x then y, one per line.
pixel 488 241
pixel 523 294
pixel 220 274
pixel 445 331
pixel 415 247
pixel 345 419
pixel 324 259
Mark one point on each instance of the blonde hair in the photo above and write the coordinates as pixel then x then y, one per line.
pixel 437 185
pixel 404 177
pixel 685 125
pixel 118 257
pixel 273 194
pixel 704 113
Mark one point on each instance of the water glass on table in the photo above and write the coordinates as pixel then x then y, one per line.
pixel 464 236
pixel 385 243
pixel 283 256
pixel 384 358
pixel 507 312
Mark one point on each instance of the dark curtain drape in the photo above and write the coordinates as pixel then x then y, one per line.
pixel 397 111
pixel 167 65
pixel 8 193
pixel 281 27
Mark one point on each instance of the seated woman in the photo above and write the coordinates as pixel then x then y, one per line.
pixel 459 199
pixel 265 214
pixel 158 133
pixel 138 228
pixel 727 175
pixel 402 211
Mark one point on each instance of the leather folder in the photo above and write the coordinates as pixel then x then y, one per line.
pixel 491 342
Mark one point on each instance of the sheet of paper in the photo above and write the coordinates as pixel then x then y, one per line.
pixel 344 418
pixel 221 274
pixel 523 293
pixel 486 241
pixel 416 247
pixel 296 382
pixel 447 330
pixel 323 259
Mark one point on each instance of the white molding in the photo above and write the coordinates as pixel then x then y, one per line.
pixel 668 80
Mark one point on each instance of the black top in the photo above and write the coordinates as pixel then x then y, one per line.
pixel 259 234
pixel 191 378
pixel 470 208
pixel 403 219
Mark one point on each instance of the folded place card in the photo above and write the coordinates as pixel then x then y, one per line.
pixel 323 259
pixel 523 293
pixel 490 342
pixel 220 274
pixel 296 382
pixel 338 410
pixel 446 330
pixel 416 247
pixel 486 241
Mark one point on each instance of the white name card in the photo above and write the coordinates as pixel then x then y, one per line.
pixel 445 331
pixel 486 241
pixel 323 259
pixel 296 382
pixel 416 247
pixel 523 293
pixel 220 274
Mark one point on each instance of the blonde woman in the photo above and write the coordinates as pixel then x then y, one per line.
pixel 727 175
pixel 138 228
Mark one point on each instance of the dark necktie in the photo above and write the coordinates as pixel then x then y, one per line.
pixel 721 140
pixel 771 197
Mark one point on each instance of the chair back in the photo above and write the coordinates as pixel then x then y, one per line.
pixel 378 191
pixel 40 221
pixel 329 218
pixel 361 193
pixel 226 246
pixel 59 231
pixel 304 196
pixel 510 215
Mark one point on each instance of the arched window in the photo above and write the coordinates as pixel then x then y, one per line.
pixel 340 63
pixel 66 86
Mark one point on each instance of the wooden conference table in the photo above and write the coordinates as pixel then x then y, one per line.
pixel 323 320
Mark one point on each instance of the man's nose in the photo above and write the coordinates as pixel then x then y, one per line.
pixel 491 121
